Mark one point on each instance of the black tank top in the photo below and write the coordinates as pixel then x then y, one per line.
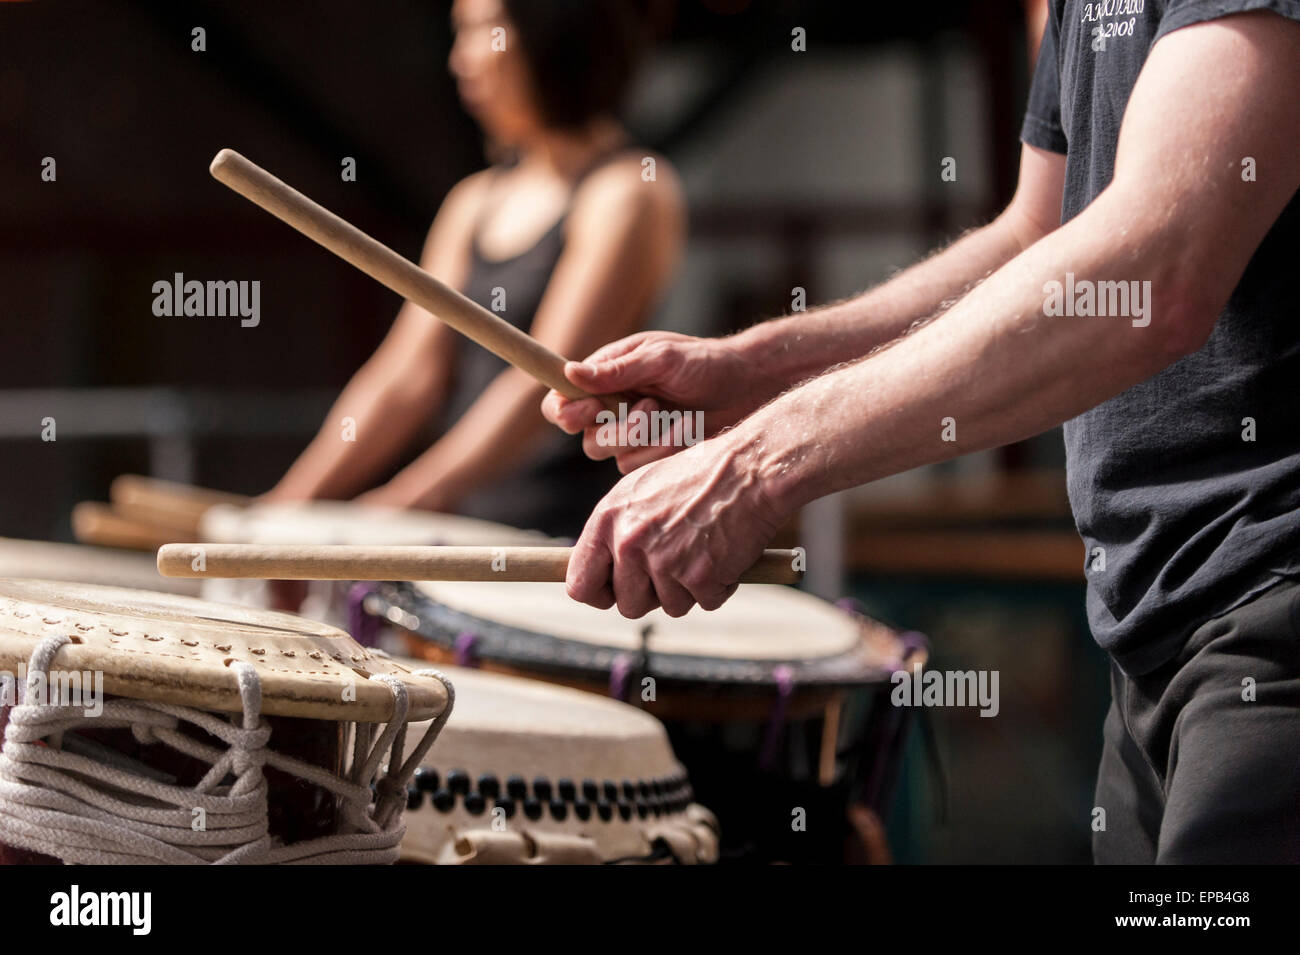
pixel 556 487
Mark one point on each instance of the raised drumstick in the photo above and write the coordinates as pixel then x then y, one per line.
pixel 399 274
pixel 346 562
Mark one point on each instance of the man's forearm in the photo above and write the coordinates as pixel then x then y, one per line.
pixel 995 368
pixel 797 347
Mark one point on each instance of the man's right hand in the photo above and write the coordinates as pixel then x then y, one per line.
pixel 666 372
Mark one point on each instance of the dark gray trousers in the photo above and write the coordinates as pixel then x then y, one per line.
pixel 1201 762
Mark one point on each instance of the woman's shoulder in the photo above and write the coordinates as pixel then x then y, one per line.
pixel 469 190
pixel 633 178
pixel 460 206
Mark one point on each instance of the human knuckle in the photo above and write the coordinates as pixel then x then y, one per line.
pixel 626 550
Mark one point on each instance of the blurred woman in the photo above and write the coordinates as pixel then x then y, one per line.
pixel 566 239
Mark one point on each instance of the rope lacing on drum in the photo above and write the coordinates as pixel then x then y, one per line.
pixel 784 677
pixel 466 650
pixel 105 808
pixel 660 851
pixel 914 642
pixel 363 627
pixel 629 667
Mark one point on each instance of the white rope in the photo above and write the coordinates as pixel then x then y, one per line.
pixel 106 810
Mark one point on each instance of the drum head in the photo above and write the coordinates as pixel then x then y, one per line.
pixel 42 560
pixel 503 721
pixel 338 522
pixel 760 630
pixel 532 768
pixel 173 649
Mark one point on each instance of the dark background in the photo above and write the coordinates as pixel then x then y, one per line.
pixel 817 169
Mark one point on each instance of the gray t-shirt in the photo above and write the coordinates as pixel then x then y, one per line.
pixel 1186 486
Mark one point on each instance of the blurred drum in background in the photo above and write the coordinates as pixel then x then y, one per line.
pixel 334 522
pixel 531 773
pixel 42 560
pixel 777 703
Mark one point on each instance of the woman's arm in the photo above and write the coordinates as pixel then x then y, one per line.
pixel 623 240
pixel 400 386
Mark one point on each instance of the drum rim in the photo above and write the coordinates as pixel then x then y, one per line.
pixel 148 667
pixel 420 614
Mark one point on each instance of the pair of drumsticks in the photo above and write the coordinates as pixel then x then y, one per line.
pixel 471 320
pixel 144 513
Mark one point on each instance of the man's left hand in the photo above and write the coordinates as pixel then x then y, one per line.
pixel 678 532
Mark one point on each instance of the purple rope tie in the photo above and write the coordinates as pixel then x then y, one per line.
pixel 851 605
pixel 619 672
pixel 363 627
pixel 466 643
pixel 912 641
pixel 784 676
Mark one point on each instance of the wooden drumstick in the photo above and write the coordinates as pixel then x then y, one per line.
pixel 166 503
pixel 99 524
pixel 397 273
pixel 347 562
